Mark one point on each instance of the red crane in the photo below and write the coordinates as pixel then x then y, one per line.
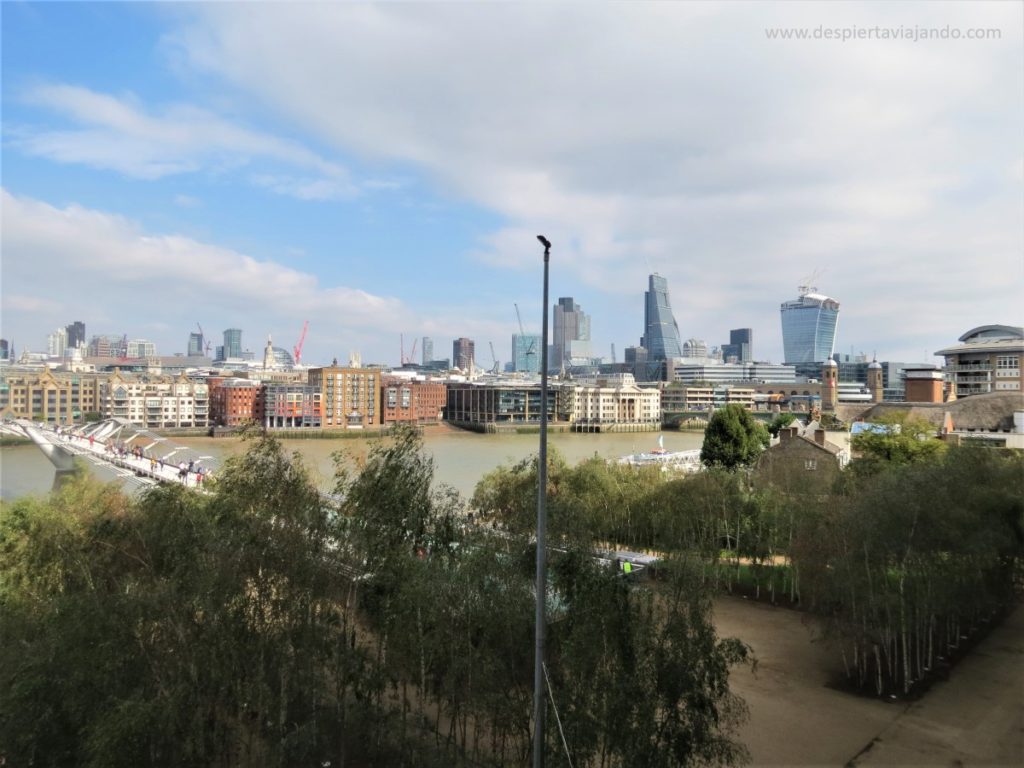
pixel 298 347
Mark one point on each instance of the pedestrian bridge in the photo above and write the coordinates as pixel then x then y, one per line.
pixel 137 456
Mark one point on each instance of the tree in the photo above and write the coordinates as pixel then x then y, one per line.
pixel 780 421
pixel 734 438
pixel 893 441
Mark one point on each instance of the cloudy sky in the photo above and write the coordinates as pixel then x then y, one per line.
pixel 383 169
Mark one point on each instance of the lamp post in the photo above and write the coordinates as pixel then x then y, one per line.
pixel 542 524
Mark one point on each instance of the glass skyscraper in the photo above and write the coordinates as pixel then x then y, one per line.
pixel 232 343
pixel 526 353
pixel 661 332
pixel 809 327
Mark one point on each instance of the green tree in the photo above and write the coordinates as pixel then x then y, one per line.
pixel 780 421
pixel 894 440
pixel 734 438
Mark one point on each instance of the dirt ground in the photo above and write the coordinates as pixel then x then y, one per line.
pixel 974 718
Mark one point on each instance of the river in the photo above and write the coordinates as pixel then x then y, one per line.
pixel 460 458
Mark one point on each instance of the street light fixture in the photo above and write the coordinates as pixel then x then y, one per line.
pixel 542 486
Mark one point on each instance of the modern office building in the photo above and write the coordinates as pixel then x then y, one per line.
pixel 107 346
pixel 526 353
pixel 740 348
pixel 987 359
pixel 76 334
pixel 463 353
pixel 428 350
pixel 232 344
pixel 195 344
pixel 661 332
pixel 570 340
pixel 809 327
pixel 137 348
pixel 689 373
pixel 5 349
pixel 695 348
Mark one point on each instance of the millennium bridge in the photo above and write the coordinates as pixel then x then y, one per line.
pixel 138 457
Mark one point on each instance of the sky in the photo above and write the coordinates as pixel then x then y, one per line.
pixel 382 170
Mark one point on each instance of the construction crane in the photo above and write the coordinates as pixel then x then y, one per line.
pixel 532 349
pixel 494 358
pixel 297 350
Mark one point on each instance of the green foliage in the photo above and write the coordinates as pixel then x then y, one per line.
pixel 734 438
pixel 899 440
pixel 781 420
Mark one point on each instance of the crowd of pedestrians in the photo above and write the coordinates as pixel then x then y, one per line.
pixel 189 473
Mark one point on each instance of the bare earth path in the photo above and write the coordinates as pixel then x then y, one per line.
pixel 973 719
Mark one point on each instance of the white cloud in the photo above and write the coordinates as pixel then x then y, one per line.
pixel 60 263
pixel 119 134
pixel 678 138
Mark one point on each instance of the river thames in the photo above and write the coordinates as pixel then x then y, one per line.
pixel 461 458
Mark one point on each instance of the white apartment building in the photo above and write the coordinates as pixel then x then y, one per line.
pixel 156 402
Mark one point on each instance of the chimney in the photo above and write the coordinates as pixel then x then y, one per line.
pixel 786 433
pixel 819 437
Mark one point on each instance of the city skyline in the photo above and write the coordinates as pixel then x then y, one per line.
pixel 179 163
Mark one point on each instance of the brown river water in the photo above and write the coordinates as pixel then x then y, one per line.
pixel 460 458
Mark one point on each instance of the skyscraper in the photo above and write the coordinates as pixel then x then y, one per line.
pixel 571 334
pixel 526 352
pixel 809 327
pixel 428 350
pixel 462 353
pixel 740 346
pixel 76 334
pixel 661 332
pixel 195 344
pixel 232 343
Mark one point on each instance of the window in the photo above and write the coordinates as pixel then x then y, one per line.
pixel 810 464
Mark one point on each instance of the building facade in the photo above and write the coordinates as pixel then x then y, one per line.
pixel 661 332
pixel 107 346
pixel 987 359
pixel 740 348
pixel 570 339
pixel 292 406
pixel 412 401
pixel 689 373
pixel 809 327
pixel 232 349
pixel 48 396
pixel 235 402
pixel 76 334
pixel 350 396
pixel 463 353
pixel 140 348
pixel 610 408
pixel 526 353
pixel 480 405
pixel 156 402
pixel 428 350
pixel 195 344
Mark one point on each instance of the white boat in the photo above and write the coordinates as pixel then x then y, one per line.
pixel 669 461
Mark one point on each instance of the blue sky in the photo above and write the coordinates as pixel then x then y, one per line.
pixel 383 169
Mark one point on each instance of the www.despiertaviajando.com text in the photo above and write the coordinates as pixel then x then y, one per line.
pixel 910 34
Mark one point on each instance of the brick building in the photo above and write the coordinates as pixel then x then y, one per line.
pixel 350 396
pixel 412 401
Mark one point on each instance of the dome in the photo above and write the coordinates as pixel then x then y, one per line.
pixel 874 364
pixel 830 363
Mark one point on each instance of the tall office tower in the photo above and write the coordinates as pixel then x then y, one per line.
pixel 695 348
pixel 526 353
pixel 428 350
pixel 809 327
pixel 195 344
pixel 661 332
pixel 57 343
pixel 462 354
pixel 232 343
pixel 76 334
pixel 740 346
pixel 5 349
pixel 571 334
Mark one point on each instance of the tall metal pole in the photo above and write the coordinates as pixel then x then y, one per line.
pixel 542 524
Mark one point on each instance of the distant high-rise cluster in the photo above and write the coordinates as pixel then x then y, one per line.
pixel 570 334
pixel 809 327
pixel 661 332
